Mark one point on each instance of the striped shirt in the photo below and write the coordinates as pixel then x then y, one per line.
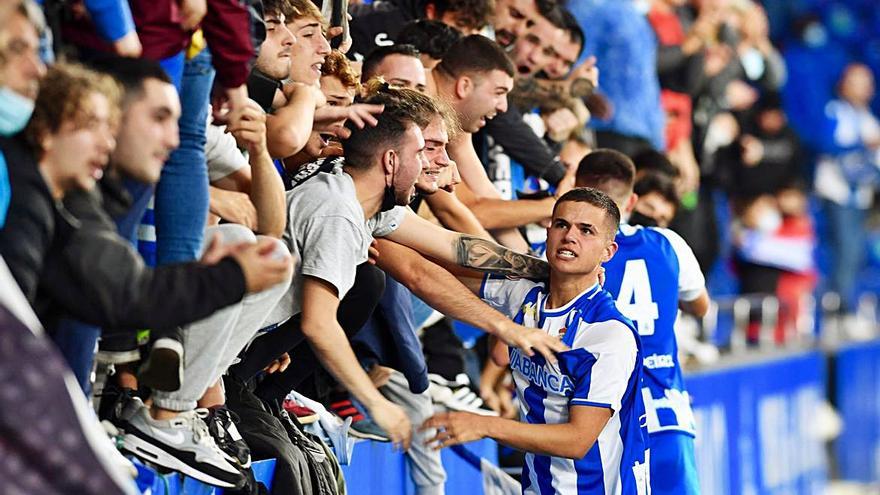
pixel 600 370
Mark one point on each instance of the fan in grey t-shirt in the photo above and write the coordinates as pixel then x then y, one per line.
pixel 326 229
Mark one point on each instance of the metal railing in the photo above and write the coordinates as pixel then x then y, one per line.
pixel 743 323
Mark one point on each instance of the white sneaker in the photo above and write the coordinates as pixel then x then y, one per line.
pixel 456 395
pixel 182 444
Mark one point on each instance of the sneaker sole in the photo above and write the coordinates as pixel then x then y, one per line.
pixel 236 462
pixel 162 370
pixel 151 453
pixel 367 436
pixel 307 420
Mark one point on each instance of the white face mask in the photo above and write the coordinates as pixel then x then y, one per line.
pixel 753 63
pixel 769 221
pixel 15 111
pixel 815 35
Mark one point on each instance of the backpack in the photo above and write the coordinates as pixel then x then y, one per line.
pixel 302 465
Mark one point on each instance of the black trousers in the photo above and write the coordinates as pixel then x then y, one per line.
pixel 354 310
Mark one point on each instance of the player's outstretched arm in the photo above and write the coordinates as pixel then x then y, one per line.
pixel 571 440
pixel 466 250
pixel 452 297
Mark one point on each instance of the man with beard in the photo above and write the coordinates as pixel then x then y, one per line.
pixel 337 214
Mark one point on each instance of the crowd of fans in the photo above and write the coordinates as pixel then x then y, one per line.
pixel 284 203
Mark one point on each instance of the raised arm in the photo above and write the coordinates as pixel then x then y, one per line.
pixel 498 213
pixel 325 335
pixel 572 439
pixel 466 250
pixel 455 298
pixel 265 188
pixel 290 126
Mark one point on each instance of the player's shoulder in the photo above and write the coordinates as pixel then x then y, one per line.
pixel 663 238
pixel 616 333
pixel 511 287
pixel 605 314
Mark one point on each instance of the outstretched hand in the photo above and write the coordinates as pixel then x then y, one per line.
pixel 454 428
pixel 531 340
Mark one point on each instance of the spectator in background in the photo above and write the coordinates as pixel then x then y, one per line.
pixel 431 39
pixel 340 85
pixel 513 17
pixel 814 61
pixel 766 157
pixel 658 200
pixel 399 65
pixel 533 51
pixel 64 147
pixel 847 176
pixel 377 24
pixel 302 106
pixel 626 52
pixel 653 161
pixel 680 64
pixel 310 46
pixel 20 73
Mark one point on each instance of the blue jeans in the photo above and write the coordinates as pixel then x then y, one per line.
pixel 389 338
pixel 181 204
pixel 77 341
pixel 846 228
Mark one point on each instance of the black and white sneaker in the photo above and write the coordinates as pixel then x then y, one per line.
pixel 456 395
pixel 118 405
pixel 163 368
pixel 221 423
pixel 182 444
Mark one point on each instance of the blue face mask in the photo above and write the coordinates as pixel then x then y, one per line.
pixel 15 111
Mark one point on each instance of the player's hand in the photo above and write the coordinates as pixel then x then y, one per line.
pixel 454 428
pixel 531 340
pixel 394 421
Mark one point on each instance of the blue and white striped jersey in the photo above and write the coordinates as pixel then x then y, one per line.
pixel 600 370
pixel 653 269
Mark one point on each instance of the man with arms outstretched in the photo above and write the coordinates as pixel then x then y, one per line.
pixel 581 414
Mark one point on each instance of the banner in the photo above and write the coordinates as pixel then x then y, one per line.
pixel 754 432
pixel 857 399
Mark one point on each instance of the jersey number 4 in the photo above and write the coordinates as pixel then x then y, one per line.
pixel 634 299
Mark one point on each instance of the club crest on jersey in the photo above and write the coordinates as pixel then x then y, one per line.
pixel 562 332
pixel 530 310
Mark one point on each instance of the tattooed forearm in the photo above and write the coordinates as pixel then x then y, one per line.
pixel 487 256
